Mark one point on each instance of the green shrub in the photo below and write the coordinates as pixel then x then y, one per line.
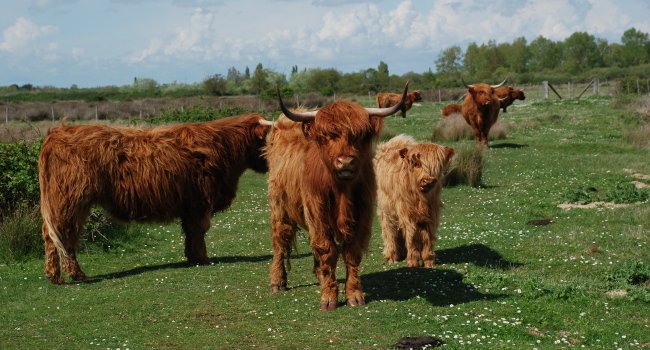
pixel 20 234
pixel 466 165
pixel 18 175
pixel 629 273
pixel 195 114
pixel 581 195
pixel 625 193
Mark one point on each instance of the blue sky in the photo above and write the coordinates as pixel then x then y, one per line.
pixel 109 42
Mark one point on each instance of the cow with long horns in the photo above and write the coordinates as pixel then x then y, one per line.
pixel 480 109
pixel 321 178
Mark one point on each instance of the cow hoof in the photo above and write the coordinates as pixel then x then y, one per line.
pixel 429 264
pixel 80 276
pixel 328 305
pixel 56 280
pixel 356 301
pixel 277 288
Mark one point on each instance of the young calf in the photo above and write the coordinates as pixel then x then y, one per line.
pixel 409 182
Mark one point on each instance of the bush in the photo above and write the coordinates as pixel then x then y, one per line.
pixel 452 128
pixel 625 193
pixel 18 175
pixel 195 114
pixel 581 195
pixel 466 166
pixel 20 234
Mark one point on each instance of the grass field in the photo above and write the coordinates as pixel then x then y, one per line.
pixel 500 283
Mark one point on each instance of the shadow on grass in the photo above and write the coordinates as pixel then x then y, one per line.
pixel 477 254
pixel 439 287
pixel 507 145
pixel 182 264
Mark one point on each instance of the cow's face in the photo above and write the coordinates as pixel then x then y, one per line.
pixel 344 138
pixel 256 160
pixel 417 97
pixel 483 94
pixel 517 95
pixel 425 163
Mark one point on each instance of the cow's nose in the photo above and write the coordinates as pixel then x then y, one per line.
pixel 427 183
pixel 345 162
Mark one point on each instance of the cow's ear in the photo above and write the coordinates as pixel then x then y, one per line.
pixel 261 131
pixel 377 124
pixel 403 152
pixel 307 129
pixel 449 153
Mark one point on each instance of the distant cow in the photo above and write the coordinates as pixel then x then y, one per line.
pixel 507 95
pixel 409 184
pixel 480 109
pixel 389 99
pixel 186 171
pixel 321 178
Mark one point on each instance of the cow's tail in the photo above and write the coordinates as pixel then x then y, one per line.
pixel 450 109
pixel 46 209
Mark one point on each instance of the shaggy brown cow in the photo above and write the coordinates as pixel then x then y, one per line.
pixel 480 109
pixel 389 99
pixel 507 96
pixel 321 178
pixel 409 183
pixel 186 171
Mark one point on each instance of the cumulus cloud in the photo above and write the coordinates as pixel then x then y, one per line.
pixel 23 35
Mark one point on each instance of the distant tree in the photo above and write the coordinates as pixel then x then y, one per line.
pixel 247 73
pixel 515 55
pixel 471 61
pixel 234 75
pixel 324 81
pixel 383 76
pixel 580 53
pixel 215 85
pixel 449 60
pixel 635 48
pixel 258 81
pixel 146 85
pixel 544 54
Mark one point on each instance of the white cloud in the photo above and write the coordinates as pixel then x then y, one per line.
pixel 603 16
pixel 23 36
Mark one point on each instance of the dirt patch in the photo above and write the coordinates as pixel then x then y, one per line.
pixel 592 205
pixel 539 222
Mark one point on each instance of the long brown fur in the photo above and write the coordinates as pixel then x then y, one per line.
pixel 508 95
pixel 305 190
pixel 389 99
pixel 480 110
pixel 451 109
pixel 186 171
pixel 409 182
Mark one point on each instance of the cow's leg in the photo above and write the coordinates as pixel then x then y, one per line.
pixel 327 254
pixel 352 256
pixel 282 236
pixel 71 229
pixel 429 239
pixel 389 234
pixel 52 262
pixel 195 229
pixel 413 246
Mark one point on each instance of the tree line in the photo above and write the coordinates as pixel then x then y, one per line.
pixel 578 57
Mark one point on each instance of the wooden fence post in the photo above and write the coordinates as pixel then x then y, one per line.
pixel 6 115
pixel 545 88
pixel 596 86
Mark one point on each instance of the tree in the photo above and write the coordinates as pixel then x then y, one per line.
pixel 259 82
pixel 515 55
pixel 580 53
pixel 324 81
pixel 471 61
pixel 449 61
pixel 382 77
pixel 215 85
pixel 635 49
pixel 544 54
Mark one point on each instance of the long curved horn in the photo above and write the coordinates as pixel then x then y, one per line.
pixel 296 117
pixel 501 83
pixel 466 85
pixel 384 112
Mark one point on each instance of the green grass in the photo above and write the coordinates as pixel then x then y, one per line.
pixel 500 283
